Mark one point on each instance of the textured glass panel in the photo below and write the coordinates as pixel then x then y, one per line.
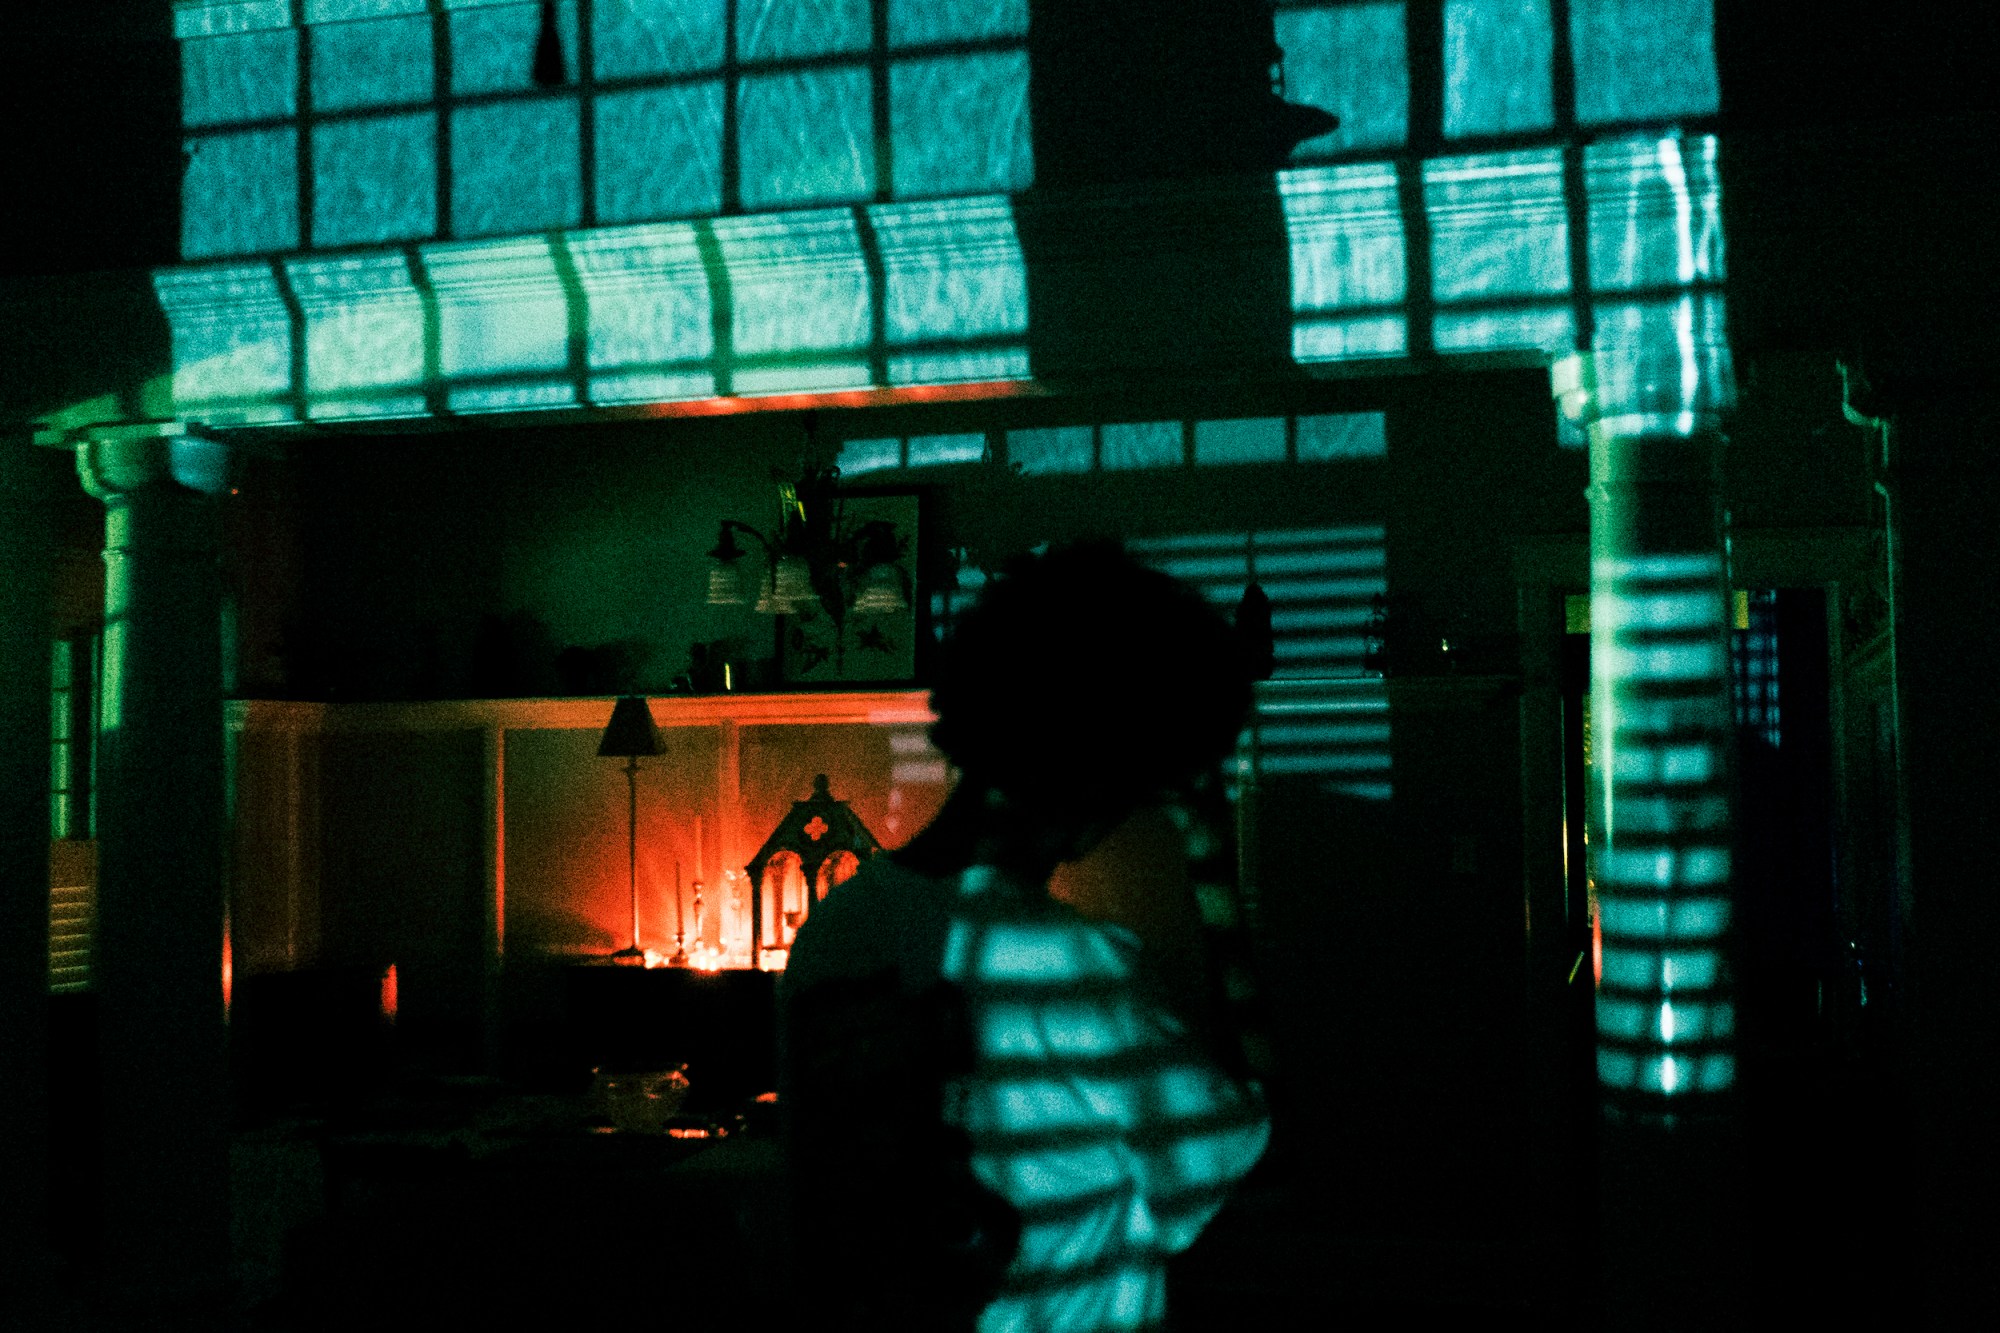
pixel 240 194
pixel 1347 435
pixel 858 456
pixel 640 37
pixel 1496 66
pixel 232 336
pixel 1640 59
pixel 1256 440
pixel 797 282
pixel 514 167
pixel 500 306
pixel 1550 329
pixel 659 152
pixel 806 137
pixel 1129 446
pixel 648 295
pixel 960 124
pixel 953 270
pixel 1349 339
pixel 1008 363
pixel 1346 231
pixel 374 180
pixel 364 323
pixel 1059 449
pixel 1498 224
pixel 777 29
pixel 1655 212
pixel 249 76
pixel 493 46
pixel 933 450
pixel 916 22
pixel 379 63
pixel 1350 61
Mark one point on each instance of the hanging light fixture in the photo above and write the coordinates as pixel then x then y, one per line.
pixel 881 592
pixel 728 579
pixel 815 557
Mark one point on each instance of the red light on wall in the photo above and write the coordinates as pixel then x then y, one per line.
pixel 388 1003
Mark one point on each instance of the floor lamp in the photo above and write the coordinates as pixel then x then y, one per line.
pixel 630 735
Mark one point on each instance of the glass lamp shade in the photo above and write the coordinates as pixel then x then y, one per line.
pixel 727 580
pixel 630 733
pixel 881 592
pixel 790 587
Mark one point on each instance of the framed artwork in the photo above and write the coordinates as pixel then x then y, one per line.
pixel 865 624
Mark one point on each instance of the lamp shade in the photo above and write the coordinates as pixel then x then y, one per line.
pixel 881 592
pixel 790 587
pixel 630 733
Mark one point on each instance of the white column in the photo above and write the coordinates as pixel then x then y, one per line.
pixel 162 1035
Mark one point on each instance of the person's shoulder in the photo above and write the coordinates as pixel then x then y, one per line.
pixel 863 922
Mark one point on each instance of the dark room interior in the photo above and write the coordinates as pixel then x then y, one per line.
pixel 486 488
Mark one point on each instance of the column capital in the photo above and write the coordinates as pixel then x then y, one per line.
pixel 116 461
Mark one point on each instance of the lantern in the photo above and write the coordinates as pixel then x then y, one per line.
pixel 817 846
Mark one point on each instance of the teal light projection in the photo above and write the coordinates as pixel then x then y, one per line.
pixel 1351 59
pixel 1088 1111
pixel 492 45
pixel 1497 67
pixel 364 334
pixel 687 108
pixel 240 193
pixel 960 124
pixel 1499 241
pixel 1644 59
pixel 659 152
pixel 1324 715
pixel 930 22
pixel 514 167
pixel 1322 583
pixel 1136 446
pixel 928 292
pixel 1247 440
pixel 375 62
pixel 636 39
pixel 236 77
pixel 1502 272
pixel 1350 270
pixel 776 29
pixel 1660 662
pixel 374 179
pixel 807 136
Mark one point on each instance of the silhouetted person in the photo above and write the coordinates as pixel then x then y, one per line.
pixel 1000 1113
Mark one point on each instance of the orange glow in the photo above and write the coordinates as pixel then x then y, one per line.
pixel 881 397
pixel 389 994
pixel 690 1132
pixel 228 970
pixel 1597 950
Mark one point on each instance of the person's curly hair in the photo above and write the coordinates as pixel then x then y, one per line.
pixel 1084 677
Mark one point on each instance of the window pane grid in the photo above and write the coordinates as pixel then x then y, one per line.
pixel 666 109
